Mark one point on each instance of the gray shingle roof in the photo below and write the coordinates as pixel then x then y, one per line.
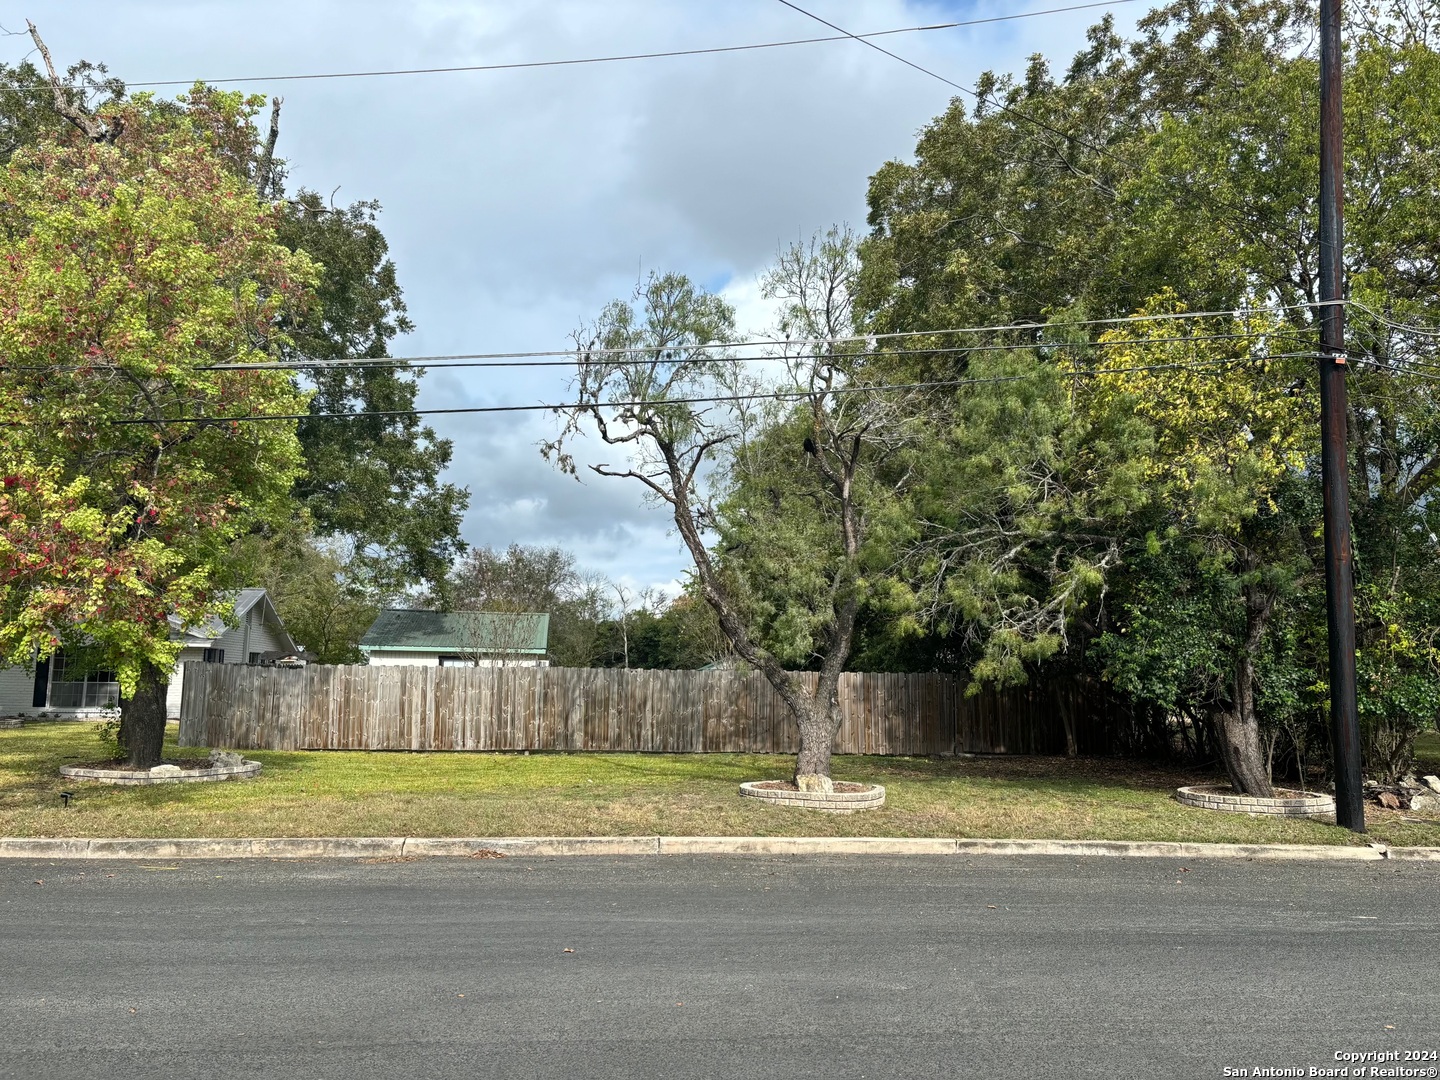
pixel 212 627
pixel 458 631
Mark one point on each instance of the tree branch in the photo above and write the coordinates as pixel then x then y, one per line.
pixel 265 177
pixel 95 129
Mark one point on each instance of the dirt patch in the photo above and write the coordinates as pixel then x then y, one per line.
pixel 789 785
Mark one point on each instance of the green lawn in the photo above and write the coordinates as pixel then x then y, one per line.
pixel 314 793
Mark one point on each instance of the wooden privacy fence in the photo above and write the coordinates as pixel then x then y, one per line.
pixel 518 708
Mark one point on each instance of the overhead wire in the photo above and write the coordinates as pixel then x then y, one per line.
pixel 439 359
pixel 1002 106
pixel 584 357
pixel 640 353
pixel 842 36
pixel 1213 364
pixel 1409 327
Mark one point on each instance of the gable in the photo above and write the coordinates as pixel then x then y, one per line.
pixel 253 608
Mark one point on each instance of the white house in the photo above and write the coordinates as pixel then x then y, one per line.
pixel 457 638
pixel 257 636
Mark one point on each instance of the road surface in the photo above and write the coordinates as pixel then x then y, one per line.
pixel 712 967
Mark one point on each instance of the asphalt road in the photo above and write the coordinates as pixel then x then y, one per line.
pixel 711 967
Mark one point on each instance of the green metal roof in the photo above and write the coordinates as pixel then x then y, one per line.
pixel 458 632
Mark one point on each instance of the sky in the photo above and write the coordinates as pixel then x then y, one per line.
pixel 518 203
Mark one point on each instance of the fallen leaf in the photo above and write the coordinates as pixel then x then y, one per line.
pixel 1184 869
pixel 487 853
pixel 459 995
pixel 39 882
pixel 992 907
pixel 1389 1027
pixel 569 950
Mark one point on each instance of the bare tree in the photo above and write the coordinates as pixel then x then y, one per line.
pixel 499 638
pixel 71 105
pixel 623 598
pixel 658 379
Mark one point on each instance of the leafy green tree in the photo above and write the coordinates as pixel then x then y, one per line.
pixel 535 579
pixel 682 634
pixel 372 484
pixel 1228 443
pixel 1184 166
pixel 322 592
pixel 374 480
pixel 127 269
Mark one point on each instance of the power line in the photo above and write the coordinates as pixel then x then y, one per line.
pixel 1408 327
pixel 639 353
pixel 436 360
pixel 499 361
pixel 769 395
pixel 949 82
pixel 843 36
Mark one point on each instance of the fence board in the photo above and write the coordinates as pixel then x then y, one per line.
pixel 452 708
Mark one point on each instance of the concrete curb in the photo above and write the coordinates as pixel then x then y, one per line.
pixel 393 847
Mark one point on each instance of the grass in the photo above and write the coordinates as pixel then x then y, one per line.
pixel 316 793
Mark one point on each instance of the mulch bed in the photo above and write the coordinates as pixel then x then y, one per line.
pixel 788 785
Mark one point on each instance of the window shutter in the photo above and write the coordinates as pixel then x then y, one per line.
pixel 42 684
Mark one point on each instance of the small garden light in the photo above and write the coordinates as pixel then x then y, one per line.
pixel 66 796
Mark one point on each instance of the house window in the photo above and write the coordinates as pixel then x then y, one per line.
pixel 254 658
pixel 455 661
pixel 214 656
pixel 73 687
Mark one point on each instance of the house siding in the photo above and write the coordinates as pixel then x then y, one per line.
pixel 265 635
pixel 17 692
pixel 17 698
pixel 398 657
pixel 255 633
pixel 177 680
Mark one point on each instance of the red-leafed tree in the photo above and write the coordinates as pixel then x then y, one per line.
pixel 133 260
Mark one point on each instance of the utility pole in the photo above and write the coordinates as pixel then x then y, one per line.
pixel 1334 414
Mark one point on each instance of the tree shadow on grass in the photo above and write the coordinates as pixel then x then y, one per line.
pixel 712 768
pixel 31 756
pixel 1062 775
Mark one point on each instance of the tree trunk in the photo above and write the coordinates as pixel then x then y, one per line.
pixel 142 718
pixel 1066 700
pixel 1238 739
pixel 817 736
pixel 1237 732
pixel 816 715
pixel 1237 728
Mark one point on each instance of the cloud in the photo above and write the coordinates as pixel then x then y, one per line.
pixel 517 203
